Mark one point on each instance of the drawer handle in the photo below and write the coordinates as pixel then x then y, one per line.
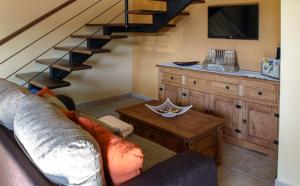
pixel 227 87
pixel 244 121
pixel 260 93
pixel 237 131
pixel 195 82
pixel 172 77
pixel 184 94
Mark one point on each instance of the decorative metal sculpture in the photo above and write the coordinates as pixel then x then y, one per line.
pixel 221 60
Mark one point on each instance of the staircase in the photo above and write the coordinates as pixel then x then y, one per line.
pixel 61 68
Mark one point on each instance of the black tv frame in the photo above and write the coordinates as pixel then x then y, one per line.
pixel 232 37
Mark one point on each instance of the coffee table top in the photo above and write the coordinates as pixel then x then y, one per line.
pixel 188 126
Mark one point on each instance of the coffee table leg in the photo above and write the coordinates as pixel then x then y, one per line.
pixel 219 145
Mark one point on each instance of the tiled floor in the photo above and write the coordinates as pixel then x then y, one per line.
pixel 240 167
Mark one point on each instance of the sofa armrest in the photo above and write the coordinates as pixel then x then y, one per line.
pixel 184 169
pixel 16 168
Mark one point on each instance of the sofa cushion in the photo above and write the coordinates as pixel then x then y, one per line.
pixel 63 152
pixel 10 95
pixel 185 169
pixel 49 96
pixel 114 130
pixel 122 159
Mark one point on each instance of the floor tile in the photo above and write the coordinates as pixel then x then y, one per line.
pixel 231 158
pixel 236 178
pixel 258 169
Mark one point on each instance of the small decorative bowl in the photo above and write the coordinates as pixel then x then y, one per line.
pixel 189 63
pixel 168 109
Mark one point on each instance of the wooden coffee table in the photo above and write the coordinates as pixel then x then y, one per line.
pixel 191 131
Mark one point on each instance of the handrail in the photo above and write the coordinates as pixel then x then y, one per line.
pixel 62 41
pixel 35 22
pixel 46 34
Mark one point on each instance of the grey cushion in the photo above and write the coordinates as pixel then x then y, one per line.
pixel 64 152
pixel 10 95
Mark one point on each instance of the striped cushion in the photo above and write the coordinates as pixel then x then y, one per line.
pixel 10 95
pixel 64 152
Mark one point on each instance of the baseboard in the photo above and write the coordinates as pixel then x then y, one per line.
pixel 280 183
pixel 97 102
pixel 142 97
pixel 103 100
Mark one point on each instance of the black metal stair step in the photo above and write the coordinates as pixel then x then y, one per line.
pixel 82 50
pixel 42 80
pixel 63 64
pixel 124 25
pixel 104 37
pixel 194 1
pixel 154 12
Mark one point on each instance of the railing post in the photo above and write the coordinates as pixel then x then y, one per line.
pixel 126 13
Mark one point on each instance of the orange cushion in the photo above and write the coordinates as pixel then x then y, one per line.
pixel 71 114
pixel 44 91
pixel 122 159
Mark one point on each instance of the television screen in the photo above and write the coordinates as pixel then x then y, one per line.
pixel 233 22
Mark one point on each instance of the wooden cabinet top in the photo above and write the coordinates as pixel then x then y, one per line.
pixel 240 73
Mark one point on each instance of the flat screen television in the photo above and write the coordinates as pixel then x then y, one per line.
pixel 234 22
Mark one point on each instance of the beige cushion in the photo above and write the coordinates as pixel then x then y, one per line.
pixel 125 128
pixel 10 95
pixel 64 152
pixel 55 101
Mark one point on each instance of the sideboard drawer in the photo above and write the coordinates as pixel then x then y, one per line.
pixel 226 88
pixel 261 94
pixel 194 83
pixel 260 85
pixel 172 78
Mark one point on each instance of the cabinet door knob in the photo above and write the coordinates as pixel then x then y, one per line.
pixel 275 142
pixel 195 82
pixel 227 87
pixel 172 77
pixel 184 94
pixel 260 93
pixel 244 121
pixel 161 89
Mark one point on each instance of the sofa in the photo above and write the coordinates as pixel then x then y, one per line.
pixel 161 166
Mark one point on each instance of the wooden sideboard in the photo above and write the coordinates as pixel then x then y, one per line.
pixel 250 105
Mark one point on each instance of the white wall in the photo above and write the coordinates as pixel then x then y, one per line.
pixel 111 74
pixel 14 13
pixel 289 137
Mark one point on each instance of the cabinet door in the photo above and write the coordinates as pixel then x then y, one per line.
pixel 229 109
pixel 199 100
pixel 172 92
pixel 259 124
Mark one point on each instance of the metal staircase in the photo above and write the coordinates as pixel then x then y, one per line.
pixel 61 68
